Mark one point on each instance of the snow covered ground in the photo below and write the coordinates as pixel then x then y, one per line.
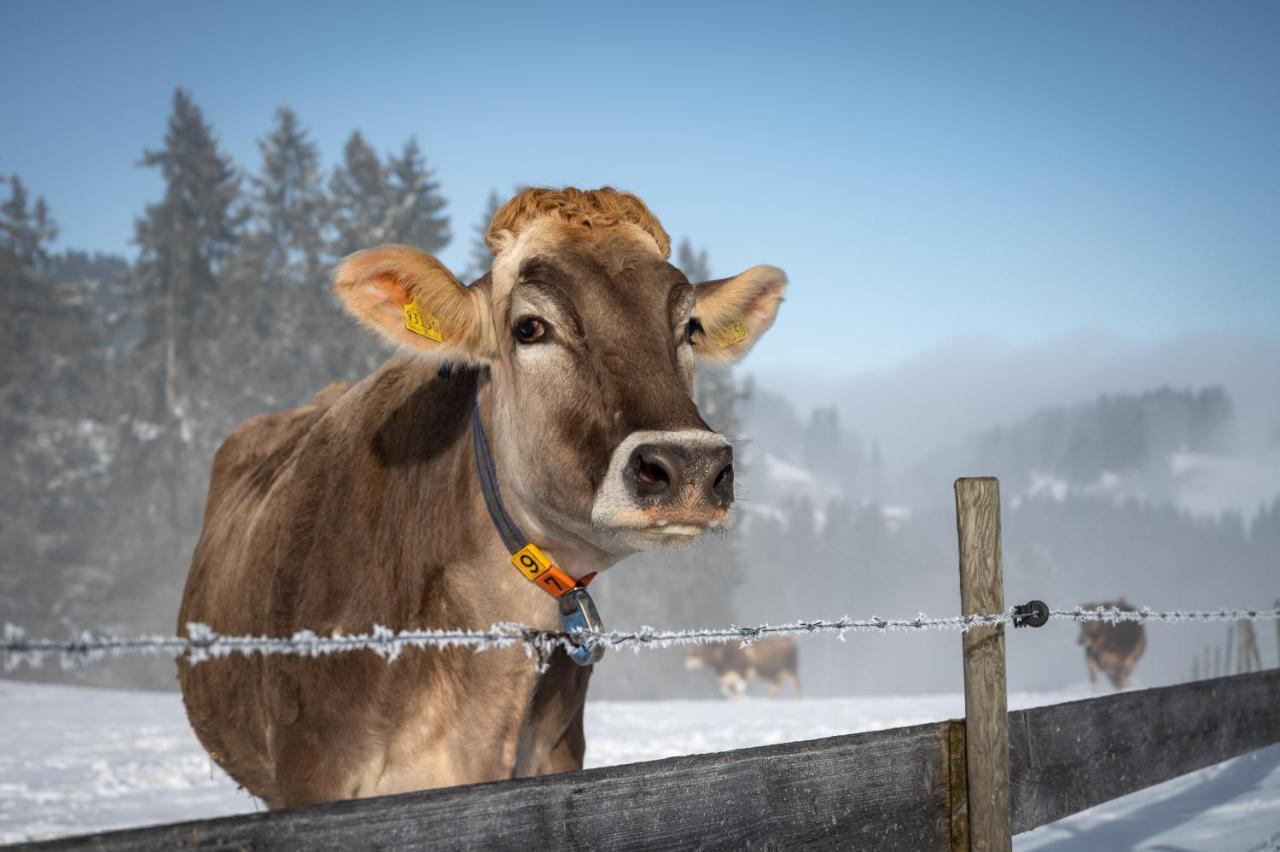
pixel 74 760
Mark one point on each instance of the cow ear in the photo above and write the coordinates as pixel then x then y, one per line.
pixel 411 299
pixel 736 312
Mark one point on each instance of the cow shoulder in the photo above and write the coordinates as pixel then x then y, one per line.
pixel 370 515
pixel 256 452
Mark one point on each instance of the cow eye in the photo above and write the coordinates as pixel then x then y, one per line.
pixel 530 330
pixel 691 329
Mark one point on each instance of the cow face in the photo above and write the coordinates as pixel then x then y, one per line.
pixel 1093 635
pixel 590 336
pixel 702 656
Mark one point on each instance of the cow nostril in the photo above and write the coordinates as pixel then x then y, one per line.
pixel 653 476
pixel 722 488
pixel 655 471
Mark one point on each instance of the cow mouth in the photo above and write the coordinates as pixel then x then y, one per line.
pixel 678 528
pixel 644 529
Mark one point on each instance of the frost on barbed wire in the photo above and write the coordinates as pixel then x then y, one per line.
pixel 202 643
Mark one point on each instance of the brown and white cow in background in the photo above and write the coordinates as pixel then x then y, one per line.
pixel 1113 649
pixel 772 660
pixel 363 507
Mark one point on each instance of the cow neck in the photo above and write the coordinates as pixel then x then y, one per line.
pixel 577 609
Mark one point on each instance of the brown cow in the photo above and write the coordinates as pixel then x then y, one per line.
pixel 772 659
pixel 364 508
pixel 1112 648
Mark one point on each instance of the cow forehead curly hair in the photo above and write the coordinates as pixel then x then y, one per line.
pixel 589 209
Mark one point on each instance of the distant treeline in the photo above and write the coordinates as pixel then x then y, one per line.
pixel 118 379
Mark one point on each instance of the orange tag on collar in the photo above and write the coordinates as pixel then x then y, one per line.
pixel 555 581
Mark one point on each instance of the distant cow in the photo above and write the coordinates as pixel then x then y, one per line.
pixel 1112 648
pixel 772 659
pixel 574 355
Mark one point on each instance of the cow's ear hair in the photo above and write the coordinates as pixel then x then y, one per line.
pixel 411 299
pixel 735 312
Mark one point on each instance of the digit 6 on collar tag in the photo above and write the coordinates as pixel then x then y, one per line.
pixel 578 612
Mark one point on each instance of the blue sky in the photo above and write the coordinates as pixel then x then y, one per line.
pixel 924 172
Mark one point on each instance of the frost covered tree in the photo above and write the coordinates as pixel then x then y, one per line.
pixel 56 414
pixel 280 273
pixel 392 202
pixel 359 189
pixel 183 240
pixel 25 229
pixel 289 201
pixel 415 212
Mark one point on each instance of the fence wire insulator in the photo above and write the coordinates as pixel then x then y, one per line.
pixel 1031 614
pixel 202 643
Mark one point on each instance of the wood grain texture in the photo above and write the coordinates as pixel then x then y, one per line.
pixel 1069 757
pixel 883 790
pixel 959 792
pixel 985 701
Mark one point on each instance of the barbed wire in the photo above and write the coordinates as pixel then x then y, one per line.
pixel 202 643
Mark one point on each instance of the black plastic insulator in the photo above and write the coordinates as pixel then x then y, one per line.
pixel 1031 614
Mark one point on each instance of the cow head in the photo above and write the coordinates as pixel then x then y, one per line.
pixel 590 335
pixel 701 656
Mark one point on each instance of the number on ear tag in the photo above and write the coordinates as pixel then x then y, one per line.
pixel 422 323
pixel 733 333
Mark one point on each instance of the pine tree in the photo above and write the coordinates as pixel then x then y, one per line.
pixel 289 202
pixel 183 240
pixel 360 190
pixel 56 416
pixel 480 258
pixel 415 214
pixel 25 233
pixel 692 263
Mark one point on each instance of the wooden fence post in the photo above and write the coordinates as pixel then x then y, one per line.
pixel 1231 638
pixel 986 707
pixel 1248 659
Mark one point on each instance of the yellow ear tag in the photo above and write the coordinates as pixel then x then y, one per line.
pixel 422 323
pixel 731 334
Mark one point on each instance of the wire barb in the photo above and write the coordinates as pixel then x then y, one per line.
pixel 202 643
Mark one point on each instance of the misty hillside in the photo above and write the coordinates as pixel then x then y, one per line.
pixel 1084 444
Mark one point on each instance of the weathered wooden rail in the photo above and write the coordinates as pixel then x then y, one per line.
pixel 947 785
pixel 897 789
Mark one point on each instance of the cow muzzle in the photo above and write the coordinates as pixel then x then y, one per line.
pixel 669 486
